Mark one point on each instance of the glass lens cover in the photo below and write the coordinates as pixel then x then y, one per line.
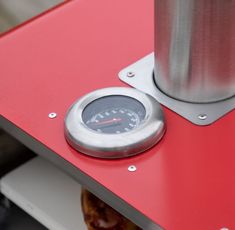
pixel 113 114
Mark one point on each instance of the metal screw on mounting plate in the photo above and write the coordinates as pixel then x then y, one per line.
pixel 202 116
pixel 52 115
pixel 132 168
pixel 130 74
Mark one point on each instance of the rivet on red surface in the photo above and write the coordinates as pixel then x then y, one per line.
pixel 52 115
pixel 132 168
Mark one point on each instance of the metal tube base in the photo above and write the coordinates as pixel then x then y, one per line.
pixel 140 76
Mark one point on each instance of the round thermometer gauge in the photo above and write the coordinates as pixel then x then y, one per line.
pixel 114 114
pixel 114 123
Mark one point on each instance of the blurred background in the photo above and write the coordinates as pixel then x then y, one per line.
pixel 15 12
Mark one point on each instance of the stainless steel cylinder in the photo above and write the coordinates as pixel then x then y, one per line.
pixel 195 49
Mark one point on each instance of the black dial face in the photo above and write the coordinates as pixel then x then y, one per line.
pixel 113 114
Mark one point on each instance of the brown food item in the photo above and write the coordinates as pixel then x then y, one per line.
pixel 99 216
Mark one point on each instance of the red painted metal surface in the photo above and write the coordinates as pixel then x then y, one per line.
pixel 185 182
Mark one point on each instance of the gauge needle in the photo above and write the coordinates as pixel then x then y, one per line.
pixel 114 120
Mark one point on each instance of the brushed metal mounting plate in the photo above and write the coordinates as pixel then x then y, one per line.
pixel 141 78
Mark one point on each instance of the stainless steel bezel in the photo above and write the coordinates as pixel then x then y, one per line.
pixel 101 145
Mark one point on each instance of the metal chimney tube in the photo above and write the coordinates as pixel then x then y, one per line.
pixel 195 49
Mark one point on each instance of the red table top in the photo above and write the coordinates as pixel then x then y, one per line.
pixel 185 182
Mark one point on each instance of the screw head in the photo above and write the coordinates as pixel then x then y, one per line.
pixel 132 168
pixel 202 117
pixel 130 74
pixel 52 115
pixel 224 229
